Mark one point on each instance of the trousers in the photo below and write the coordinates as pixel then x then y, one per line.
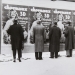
pixel 19 54
pixel 38 55
pixel 52 54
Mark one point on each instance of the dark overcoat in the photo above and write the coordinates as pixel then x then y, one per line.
pixel 39 38
pixel 54 39
pixel 69 38
pixel 16 33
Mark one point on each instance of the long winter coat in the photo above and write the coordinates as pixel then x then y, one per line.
pixel 39 38
pixel 54 39
pixel 16 33
pixel 69 38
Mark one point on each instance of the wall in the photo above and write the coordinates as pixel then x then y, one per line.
pixel 38 3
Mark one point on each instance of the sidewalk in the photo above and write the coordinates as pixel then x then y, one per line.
pixel 30 66
pixel 26 56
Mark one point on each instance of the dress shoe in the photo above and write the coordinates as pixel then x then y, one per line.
pixel 40 59
pixel 56 57
pixel 37 59
pixel 51 57
pixel 19 60
pixel 68 56
pixel 71 56
pixel 14 60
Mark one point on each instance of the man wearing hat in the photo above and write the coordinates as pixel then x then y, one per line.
pixel 54 40
pixel 38 39
pixel 16 33
pixel 69 39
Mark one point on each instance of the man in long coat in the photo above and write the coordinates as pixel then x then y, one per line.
pixel 38 39
pixel 69 39
pixel 17 38
pixel 54 40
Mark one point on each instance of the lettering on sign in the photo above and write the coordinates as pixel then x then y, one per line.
pixel 22 13
pixel 46 15
pixel 62 12
pixel 14 7
pixel 40 10
pixel 67 16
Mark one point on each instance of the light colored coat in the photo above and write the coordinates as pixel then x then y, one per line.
pixel 39 37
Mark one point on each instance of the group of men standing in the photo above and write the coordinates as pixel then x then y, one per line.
pixel 39 37
pixel 54 39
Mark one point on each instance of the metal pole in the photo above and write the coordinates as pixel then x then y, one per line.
pixel 0 23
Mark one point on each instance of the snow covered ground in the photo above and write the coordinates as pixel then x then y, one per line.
pixel 29 66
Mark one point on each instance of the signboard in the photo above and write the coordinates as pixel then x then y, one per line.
pixel 21 12
pixel 17 11
pixel 43 13
pixel 64 15
pixel 26 15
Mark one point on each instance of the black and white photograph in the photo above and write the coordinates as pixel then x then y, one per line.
pixel 37 37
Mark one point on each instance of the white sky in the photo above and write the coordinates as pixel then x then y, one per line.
pixel 43 3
